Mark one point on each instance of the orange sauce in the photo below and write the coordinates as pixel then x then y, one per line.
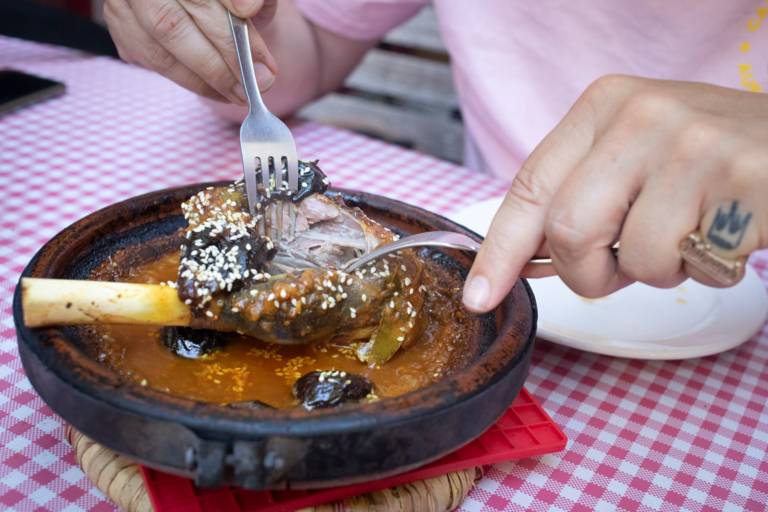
pixel 248 369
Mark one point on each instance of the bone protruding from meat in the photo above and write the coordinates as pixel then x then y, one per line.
pixel 72 302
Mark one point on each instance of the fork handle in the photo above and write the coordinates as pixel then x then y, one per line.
pixel 239 28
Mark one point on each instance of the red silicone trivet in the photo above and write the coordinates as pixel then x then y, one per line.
pixel 524 430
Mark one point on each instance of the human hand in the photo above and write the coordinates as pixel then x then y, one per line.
pixel 189 41
pixel 641 161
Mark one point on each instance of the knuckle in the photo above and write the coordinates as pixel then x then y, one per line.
pixel 586 290
pixel 697 135
pixel 258 50
pixel 647 263
pixel 747 163
pixel 694 138
pixel 605 86
pixel 527 189
pixel 647 107
pixel 168 21
pixel 590 288
pixel 201 89
pixel 158 58
pixel 644 272
pixel 565 234
pixel 216 73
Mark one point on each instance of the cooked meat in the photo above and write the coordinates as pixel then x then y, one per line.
pixel 291 290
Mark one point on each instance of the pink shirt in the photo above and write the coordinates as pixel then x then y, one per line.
pixel 518 66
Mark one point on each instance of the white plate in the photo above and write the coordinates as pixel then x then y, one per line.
pixel 640 321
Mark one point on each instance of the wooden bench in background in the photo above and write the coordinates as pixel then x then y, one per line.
pixel 402 92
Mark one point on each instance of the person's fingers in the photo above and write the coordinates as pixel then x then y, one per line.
pixel 588 212
pixel 171 26
pixel 211 19
pixel 242 8
pixel 667 209
pixel 649 245
pixel 260 12
pixel 517 229
pixel 135 45
pixel 264 63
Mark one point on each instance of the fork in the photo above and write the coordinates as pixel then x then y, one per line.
pixel 266 145
pixel 435 239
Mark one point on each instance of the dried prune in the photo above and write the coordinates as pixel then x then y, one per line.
pixel 192 343
pixel 321 389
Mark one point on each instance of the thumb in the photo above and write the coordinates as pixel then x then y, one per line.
pixel 514 236
pixel 517 230
pixel 243 8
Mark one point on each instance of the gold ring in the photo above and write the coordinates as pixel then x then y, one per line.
pixel 697 252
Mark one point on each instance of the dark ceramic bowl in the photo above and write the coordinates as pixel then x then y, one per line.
pixel 266 448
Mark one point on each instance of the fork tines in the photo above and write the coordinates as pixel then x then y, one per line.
pixel 275 180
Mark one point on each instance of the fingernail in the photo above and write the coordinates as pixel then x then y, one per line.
pixel 238 91
pixel 264 77
pixel 477 291
pixel 245 7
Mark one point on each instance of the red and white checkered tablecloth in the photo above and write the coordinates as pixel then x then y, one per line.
pixel 685 435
